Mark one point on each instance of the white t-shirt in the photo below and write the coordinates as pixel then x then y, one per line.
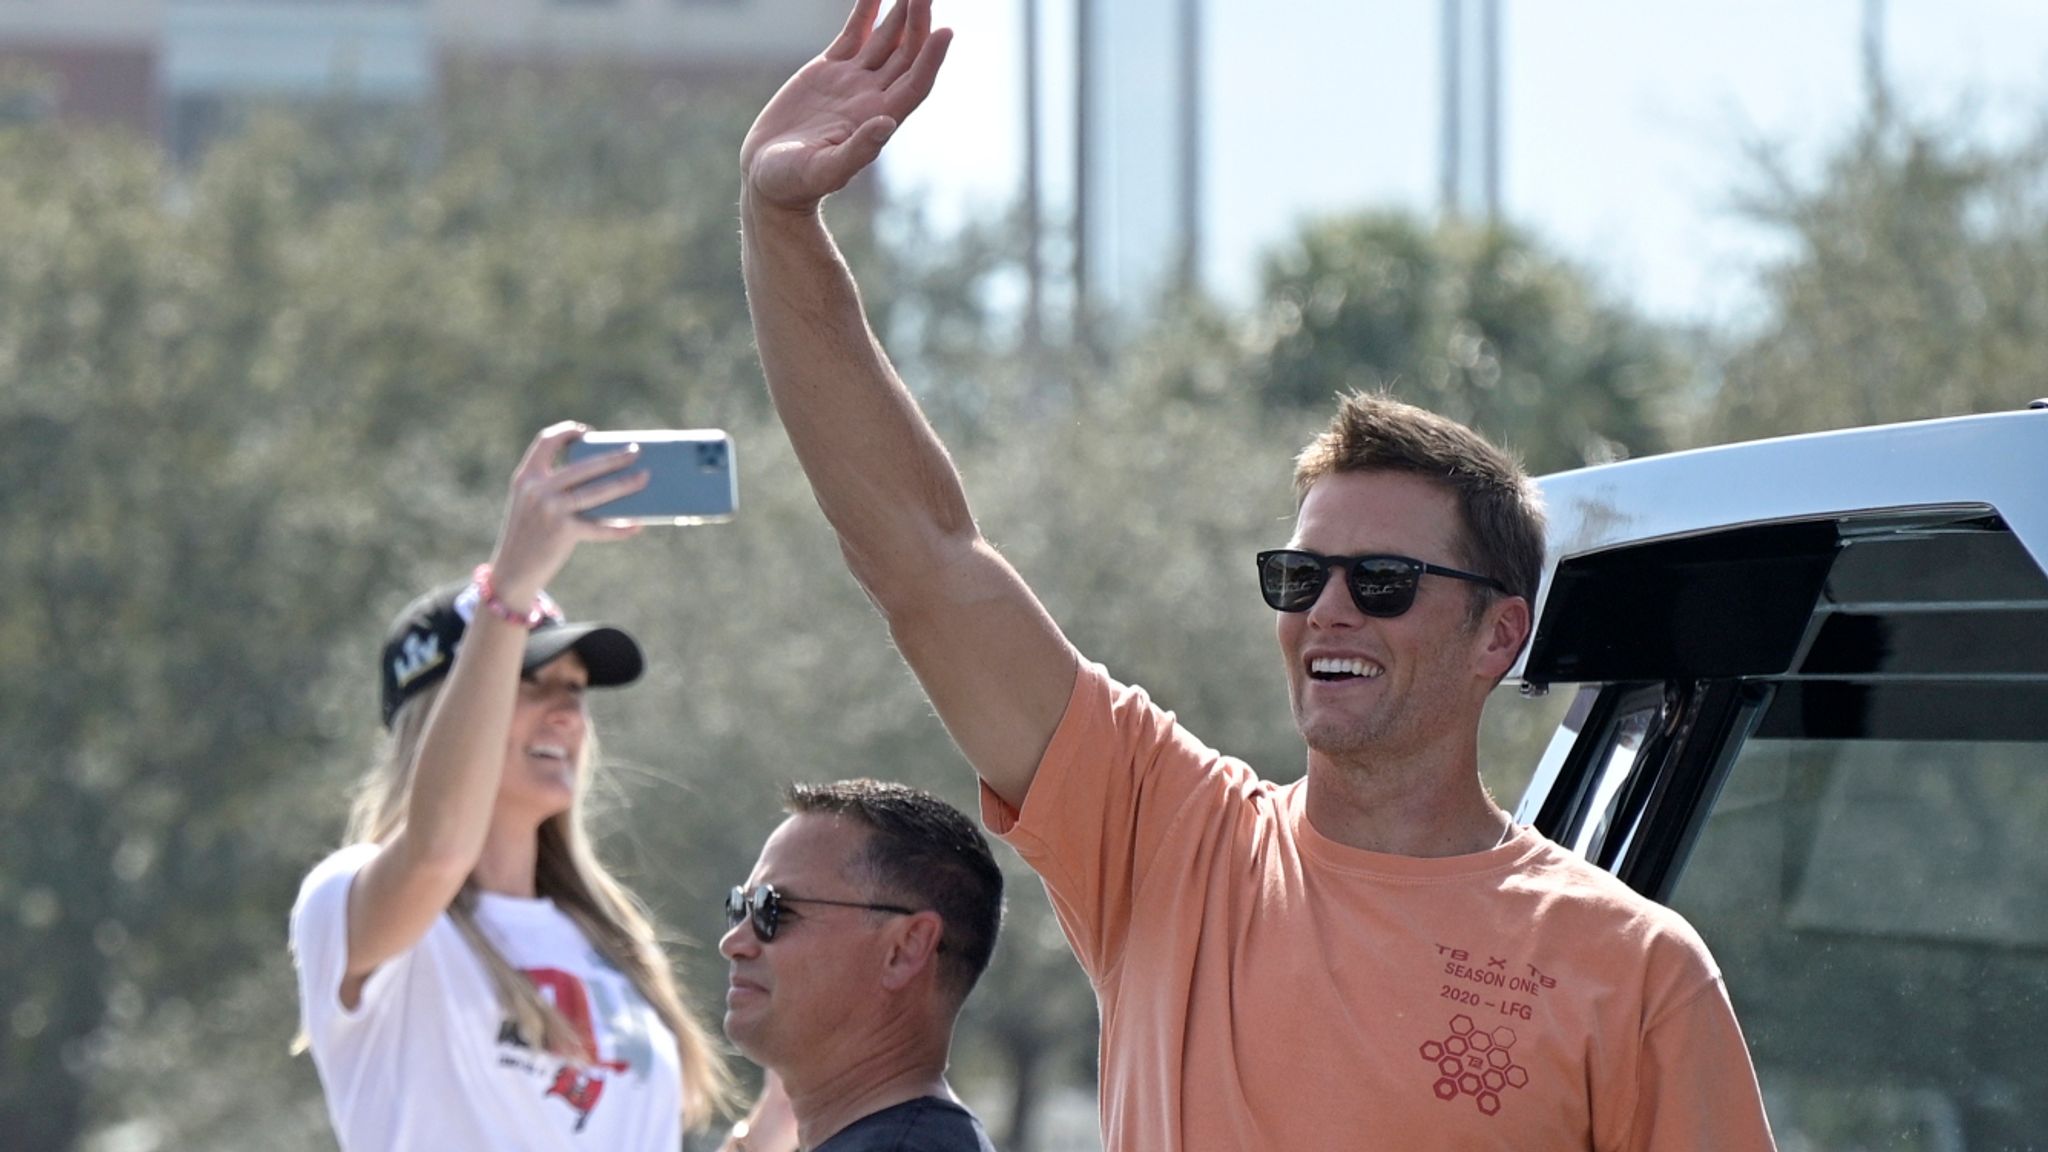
pixel 427 1059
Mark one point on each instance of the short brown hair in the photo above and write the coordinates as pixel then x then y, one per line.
pixel 925 849
pixel 1502 533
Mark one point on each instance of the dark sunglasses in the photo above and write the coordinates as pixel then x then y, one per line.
pixel 1383 586
pixel 763 905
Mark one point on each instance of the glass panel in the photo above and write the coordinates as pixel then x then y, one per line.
pixel 1629 732
pixel 1881 913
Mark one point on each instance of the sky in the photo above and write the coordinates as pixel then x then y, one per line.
pixel 1626 123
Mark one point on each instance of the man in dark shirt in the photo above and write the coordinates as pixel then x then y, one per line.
pixel 869 917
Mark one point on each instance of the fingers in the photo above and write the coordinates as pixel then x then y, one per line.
pixel 909 44
pixel 591 467
pixel 547 444
pixel 582 498
pixel 909 91
pixel 880 45
pixel 544 515
pixel 800 149
pixel 579 501
pixel 859 23
pixel 920 24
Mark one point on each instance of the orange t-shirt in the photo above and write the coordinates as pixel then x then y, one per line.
pixel 1263 987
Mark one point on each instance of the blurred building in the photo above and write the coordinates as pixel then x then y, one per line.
pixel 177 69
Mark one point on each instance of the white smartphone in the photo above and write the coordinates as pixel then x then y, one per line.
pixel 693 478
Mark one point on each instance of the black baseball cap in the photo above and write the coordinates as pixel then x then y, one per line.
pixel 422 643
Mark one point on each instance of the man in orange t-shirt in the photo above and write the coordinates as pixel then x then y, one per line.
pixel 1372 958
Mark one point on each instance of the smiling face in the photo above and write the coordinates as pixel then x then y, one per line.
pixel 544 750
pixel 788 998
pixel 1367 688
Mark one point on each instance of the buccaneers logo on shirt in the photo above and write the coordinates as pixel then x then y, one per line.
pixel 609 1024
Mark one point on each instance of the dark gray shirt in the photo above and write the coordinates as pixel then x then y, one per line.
pixel 926 1124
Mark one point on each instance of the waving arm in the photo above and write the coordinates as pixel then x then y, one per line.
pixel 994 664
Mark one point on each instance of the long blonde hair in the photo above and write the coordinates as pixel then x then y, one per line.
pixel 568 872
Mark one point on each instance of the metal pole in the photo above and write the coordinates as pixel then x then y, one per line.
pixel 1490 101
pixel 1190 256
pixel 1034 212
pixel 1452 51
pixel 1084 116
pixel 1873 54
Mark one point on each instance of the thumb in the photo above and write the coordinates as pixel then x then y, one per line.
pixel 861 148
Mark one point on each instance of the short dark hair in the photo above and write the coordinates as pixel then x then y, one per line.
pixel 1502 510
pixel 925 849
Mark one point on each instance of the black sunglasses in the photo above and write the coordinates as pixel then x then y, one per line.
pixel 763 905
pixel 1383 586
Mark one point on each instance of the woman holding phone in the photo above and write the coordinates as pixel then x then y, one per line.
pixel 470 975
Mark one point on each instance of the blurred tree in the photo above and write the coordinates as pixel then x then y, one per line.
pixel 178 577
pixel 243 415
pixel 1475 322
pixel 1915 283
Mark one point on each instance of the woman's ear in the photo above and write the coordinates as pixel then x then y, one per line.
pixel 913 948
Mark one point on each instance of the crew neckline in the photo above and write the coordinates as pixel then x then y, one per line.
pixel 1412 869
pixel 502 904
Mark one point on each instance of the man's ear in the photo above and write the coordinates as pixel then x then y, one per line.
pixel 913 948
pixel 1502 634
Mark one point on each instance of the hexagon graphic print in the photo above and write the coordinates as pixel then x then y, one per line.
pixel 1474 1062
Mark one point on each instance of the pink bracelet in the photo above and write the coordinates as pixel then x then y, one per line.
pixel 488 596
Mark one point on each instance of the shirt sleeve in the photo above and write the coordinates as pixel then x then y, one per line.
pixel 319 944
pixel 1120 782
pixel 1696 1088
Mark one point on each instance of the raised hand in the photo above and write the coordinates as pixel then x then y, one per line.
pixel 831 119
pixel 541 524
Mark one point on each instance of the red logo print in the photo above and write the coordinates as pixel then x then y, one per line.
pixel 1475 1062
pixel 579 1086
pixel 579 1089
